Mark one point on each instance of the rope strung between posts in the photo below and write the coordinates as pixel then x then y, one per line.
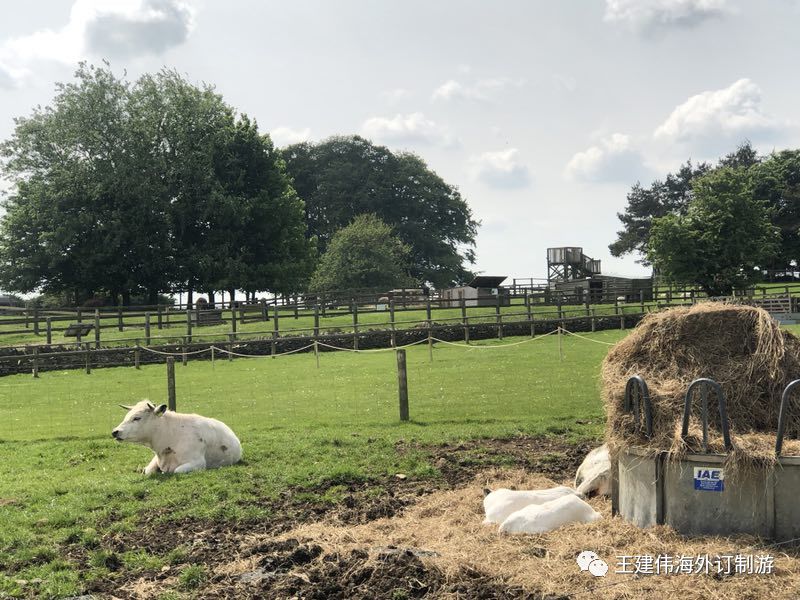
pixel 422 341
pixel 374 349
pixel 261 355
pixel 495 346
pixel 174 353
pixel 583 337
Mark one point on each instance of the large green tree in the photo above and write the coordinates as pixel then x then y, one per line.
pixel 343 177
pixel 666 197
pixel 721 240
pixel 81 217
pixel 127 189
pixel 365 254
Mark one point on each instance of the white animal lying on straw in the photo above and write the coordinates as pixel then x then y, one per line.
pixel 594 474
pixel 181 442
pixel 541 518
pixel 501 503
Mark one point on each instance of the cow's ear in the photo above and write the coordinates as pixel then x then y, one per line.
pixel 150 406
pixel 161 410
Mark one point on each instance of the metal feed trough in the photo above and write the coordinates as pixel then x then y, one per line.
pixel 694 493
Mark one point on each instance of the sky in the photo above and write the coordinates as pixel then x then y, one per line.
pixel 543 114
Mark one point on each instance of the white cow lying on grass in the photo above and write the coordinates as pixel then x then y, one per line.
pixel 502 502
pixel 594 474
pixel 181 442
pixel 541 518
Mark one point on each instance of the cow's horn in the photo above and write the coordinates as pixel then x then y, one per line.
pixel 123 406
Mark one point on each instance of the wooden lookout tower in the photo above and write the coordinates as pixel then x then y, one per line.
pixel 569 263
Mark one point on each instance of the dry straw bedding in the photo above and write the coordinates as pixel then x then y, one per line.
pixel 741 347
pixel 449 523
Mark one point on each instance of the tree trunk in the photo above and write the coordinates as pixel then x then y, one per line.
pixel 232 293
pixel 189 298
pixel 126 297
pixel 211 299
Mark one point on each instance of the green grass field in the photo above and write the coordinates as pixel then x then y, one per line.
pixel 66 487
pixel 68 491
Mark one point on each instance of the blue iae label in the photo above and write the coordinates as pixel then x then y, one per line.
pixel 709 479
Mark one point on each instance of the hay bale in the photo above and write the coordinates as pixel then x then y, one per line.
pixel 741 347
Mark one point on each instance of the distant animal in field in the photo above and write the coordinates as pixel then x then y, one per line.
pixel 181 442
pixel 594 474
pixel 541 518
pixel 501 503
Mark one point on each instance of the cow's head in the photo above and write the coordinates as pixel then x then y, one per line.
pixel 139 423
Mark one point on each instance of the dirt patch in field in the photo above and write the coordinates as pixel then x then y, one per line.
pixel 243 560
pixel 444 532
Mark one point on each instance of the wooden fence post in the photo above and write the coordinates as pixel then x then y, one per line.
pixel 96 327
pixel 233 322
pixel 402 384
pixel 87 354
pixel 430 329
pixel 49 325
pixel 160 318
pixel 593 321
pixel 231 337
pixel 530 313
pixel 35 362
pixel 275 330
pixel 641 299
pixel 189 325
pixel 136 356
pixel 498 317
pixel 184 358
pixel 264 314
pixel 79 315
pixel 171 400
pixel 355 324
pixel 36 321
pixel 120 324
pixel 147 329
pixel 296 308
pixel 391 322
pixel 316 321
pixel 464 319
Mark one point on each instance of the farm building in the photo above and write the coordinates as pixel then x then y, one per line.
pixel 483 290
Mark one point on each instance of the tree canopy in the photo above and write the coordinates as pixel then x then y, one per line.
pixel 343 177
pixel 774 181
pixel 126 188
pixel 364 254
pixel 722 237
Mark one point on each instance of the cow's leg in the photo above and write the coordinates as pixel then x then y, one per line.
pixel 152 467
pixel 197 464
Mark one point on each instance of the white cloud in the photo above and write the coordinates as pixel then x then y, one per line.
pixel 101 29
pixel 9 77
pixel 396 95
pixel 480 91
pixel 285 136
pixel 501 169
pixel 649 15
pixel 413 128
pixel 613 159
pixel 716 118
